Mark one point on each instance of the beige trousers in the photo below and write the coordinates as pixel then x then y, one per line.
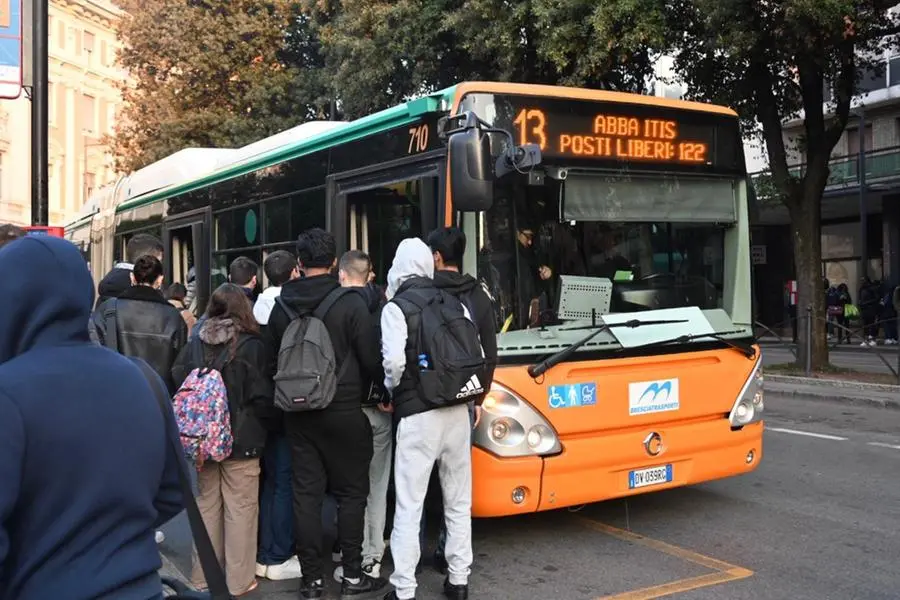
pixel 229 502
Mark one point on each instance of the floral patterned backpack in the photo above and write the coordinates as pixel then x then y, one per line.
pixel 201 411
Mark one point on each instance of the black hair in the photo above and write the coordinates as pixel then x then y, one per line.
pixel 147 269
pixel 316 249
pixel 142 244
pixel 450 243
pixel 242 270
pixel 278 266
pixel 176 291
pixel 10 233
pixel 357 263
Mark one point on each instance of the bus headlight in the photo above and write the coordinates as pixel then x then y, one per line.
pixel 749 406
pixel 511 427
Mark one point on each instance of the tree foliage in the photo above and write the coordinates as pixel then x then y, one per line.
pixel 381 51
pixel 212 73
pixel 773 61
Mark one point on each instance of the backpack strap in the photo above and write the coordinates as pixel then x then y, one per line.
pixel 290 312
pixel 212 571
pixel 111 340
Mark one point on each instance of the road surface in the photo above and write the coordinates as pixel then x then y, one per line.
pixel 817 520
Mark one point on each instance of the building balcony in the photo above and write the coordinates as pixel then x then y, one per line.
pixel 882 167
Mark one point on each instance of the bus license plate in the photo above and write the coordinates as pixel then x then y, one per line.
pixel 652 476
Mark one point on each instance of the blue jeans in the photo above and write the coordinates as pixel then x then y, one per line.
pixel 276 505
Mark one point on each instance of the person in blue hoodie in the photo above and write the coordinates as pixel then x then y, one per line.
pixel 87 466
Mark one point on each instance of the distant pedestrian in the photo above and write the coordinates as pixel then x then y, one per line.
pixel 228 497
pixel 140 323
pixel 175 294
pixel 118 280
pixel 87 470
pixel 10 233
pixel 276 557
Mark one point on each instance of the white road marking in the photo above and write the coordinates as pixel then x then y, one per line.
pixel 883 445
pixel 823 436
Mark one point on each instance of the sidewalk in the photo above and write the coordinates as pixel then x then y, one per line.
pixel 835 390
pixel 853 347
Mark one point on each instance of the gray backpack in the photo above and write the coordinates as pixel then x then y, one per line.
pixel 307 375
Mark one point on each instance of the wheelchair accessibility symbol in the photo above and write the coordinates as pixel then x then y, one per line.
pixel 572 395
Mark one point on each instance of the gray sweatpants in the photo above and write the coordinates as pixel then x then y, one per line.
pixel 441 436
pixel 379 479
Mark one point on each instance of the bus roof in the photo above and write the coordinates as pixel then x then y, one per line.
pixel 320 135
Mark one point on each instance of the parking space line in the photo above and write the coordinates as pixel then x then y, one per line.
pixel 823 436
pixel 883 445
pixel 724 572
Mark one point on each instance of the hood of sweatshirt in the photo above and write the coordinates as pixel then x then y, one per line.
pixel 262 309
pixel 48 294
pixel 412 259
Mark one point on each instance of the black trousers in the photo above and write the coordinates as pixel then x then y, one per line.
pixel 330 452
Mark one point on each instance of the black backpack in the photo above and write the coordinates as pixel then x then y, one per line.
pixel 457 368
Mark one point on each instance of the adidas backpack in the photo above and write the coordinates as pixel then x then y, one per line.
pixel 450 342
pixel 307 377
pixel 201 411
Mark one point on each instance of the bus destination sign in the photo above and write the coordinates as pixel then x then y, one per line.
pixel 610 136
pixel 651 134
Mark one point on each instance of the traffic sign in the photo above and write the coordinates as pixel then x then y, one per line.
pixel 10 49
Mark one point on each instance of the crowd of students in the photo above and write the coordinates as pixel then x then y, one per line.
pixel 389 416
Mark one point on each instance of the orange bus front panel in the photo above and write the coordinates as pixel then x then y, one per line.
pixel 495 480
pixel 591 469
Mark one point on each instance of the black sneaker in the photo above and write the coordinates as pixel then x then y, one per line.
pixel 311 590
pixel 440 562
pixel 455 592
pixel 367 587
pixel 393 596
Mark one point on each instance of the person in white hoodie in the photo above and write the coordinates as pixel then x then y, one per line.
pixel 275 556
pixel 426 434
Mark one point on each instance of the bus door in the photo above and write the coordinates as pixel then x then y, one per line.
pixel 375 211
pixel 187 243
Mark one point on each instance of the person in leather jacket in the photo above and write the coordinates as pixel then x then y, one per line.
pixel 146 325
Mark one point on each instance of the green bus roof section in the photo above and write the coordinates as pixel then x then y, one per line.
pixel 384 120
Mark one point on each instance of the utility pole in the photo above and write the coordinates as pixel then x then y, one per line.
pixel 39 115
pixel 863 208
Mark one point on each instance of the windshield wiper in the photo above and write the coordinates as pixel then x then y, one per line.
pixel 746 349
pixel 548 363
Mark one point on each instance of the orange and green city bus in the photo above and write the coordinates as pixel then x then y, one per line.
pixel 610 229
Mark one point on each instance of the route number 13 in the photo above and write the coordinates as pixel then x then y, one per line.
pixel 531 124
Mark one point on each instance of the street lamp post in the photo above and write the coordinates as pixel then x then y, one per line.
pixel 863 208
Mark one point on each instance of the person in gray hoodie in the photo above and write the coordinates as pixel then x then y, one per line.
pixel 426 436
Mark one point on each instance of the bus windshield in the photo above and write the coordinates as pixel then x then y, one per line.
pixel 659 239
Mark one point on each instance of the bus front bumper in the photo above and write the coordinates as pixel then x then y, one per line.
pixel 599 467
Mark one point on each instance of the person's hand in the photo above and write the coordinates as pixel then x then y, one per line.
pixel 478 410
pixel 386 408
pixel 545 273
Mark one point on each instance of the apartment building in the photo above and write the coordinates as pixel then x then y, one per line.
pixel 83 100
pixel 851 246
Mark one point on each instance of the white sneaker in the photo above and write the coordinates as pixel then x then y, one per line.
pixel 160 537
pixel 289 569
pixel 372 569
pixel 261 570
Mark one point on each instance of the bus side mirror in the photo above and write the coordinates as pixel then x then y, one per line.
pixel 471 170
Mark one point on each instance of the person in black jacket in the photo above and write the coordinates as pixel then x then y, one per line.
pixel 449 246
pixel 331 448
pixel 118 280
pixel 229 491
pixel 146 325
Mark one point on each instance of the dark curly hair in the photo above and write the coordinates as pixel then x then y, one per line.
pixel 316 249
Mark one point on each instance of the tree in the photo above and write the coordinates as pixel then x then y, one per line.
pixel 381 51
pixel 213 73
pixel 772 61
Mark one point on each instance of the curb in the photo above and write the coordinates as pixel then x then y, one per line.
pixel 835 390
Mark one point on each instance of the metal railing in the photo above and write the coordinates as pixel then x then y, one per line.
pixel 804 332
pixel 844 170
